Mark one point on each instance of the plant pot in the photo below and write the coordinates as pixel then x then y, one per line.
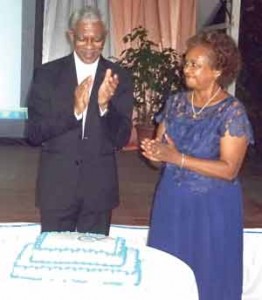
pixel 132 143
pixel 145 131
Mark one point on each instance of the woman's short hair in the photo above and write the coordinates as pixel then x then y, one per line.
pixel 224 53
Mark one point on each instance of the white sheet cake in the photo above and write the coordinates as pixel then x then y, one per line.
pixel 77 257
pixel 80 247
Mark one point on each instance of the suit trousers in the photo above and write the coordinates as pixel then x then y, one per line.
pixel 76 218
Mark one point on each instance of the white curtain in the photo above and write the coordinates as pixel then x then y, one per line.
pixel 56 16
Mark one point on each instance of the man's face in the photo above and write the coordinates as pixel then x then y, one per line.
pixel 88 38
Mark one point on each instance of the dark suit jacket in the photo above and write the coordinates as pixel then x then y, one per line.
pixel 70 166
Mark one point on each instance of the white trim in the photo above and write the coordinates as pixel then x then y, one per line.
pixel 233 31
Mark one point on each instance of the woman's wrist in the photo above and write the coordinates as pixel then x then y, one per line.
pixel 175 158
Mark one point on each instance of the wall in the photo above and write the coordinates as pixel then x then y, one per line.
pixel 17 22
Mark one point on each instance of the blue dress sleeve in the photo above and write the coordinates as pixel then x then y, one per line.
pixel 236 122
pixel 160 116
pixel 167 109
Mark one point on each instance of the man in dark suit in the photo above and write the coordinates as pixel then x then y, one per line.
pixel 79 111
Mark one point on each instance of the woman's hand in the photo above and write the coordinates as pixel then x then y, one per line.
pixel 158 151
pixel 149 149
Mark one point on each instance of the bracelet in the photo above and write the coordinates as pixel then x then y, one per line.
pixel 183 159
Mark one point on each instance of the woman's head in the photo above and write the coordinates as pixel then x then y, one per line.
pixel 217 52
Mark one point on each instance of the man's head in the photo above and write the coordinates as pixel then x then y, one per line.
pixel 87 33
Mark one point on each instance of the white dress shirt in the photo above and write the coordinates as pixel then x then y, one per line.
pixel 82 72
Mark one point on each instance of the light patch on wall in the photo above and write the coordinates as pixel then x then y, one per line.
pixel 10 58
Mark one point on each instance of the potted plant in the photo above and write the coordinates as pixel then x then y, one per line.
pixel 156 73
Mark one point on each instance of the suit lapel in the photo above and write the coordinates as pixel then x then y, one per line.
pixel 93 109
pixel 100 73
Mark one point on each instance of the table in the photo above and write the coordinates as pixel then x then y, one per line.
pixel 252 281
pixel 163 274
pixel 170 274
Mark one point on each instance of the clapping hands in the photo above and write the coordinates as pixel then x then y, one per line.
pixel 160 151
pixel 105 93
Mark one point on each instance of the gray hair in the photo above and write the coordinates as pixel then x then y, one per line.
pixel 87 13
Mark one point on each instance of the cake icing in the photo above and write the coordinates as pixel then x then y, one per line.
pixel 83 248
pixel 86 258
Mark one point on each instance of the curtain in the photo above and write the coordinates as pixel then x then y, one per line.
pixel 56 16
pixel 169 22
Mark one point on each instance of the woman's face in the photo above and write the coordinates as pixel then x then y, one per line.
pixel 198 70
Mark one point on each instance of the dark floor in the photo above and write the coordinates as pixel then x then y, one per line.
pixel 18 165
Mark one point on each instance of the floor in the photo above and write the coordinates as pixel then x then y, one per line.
pixel 18 168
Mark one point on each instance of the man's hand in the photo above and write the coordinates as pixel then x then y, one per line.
pixel 82 95
pixel 107 89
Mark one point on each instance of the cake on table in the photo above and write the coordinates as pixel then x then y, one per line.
pixel 79 257
pixel 71 265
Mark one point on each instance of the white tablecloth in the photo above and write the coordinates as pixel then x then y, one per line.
pixel 252 285
pixel 252 270
pixel 170 274
pixel 163 276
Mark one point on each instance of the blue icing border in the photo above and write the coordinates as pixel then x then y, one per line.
pixel 136 272
pixel 42 237
pixel 120 244
pixel 122 255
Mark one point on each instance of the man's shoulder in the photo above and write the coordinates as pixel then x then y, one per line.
pixel 114 66
pixel 53 70
pixel 59 62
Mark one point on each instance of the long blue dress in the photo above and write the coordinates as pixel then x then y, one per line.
pixel 198 218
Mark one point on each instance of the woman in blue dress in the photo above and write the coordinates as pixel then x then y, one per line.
pixel 202 140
